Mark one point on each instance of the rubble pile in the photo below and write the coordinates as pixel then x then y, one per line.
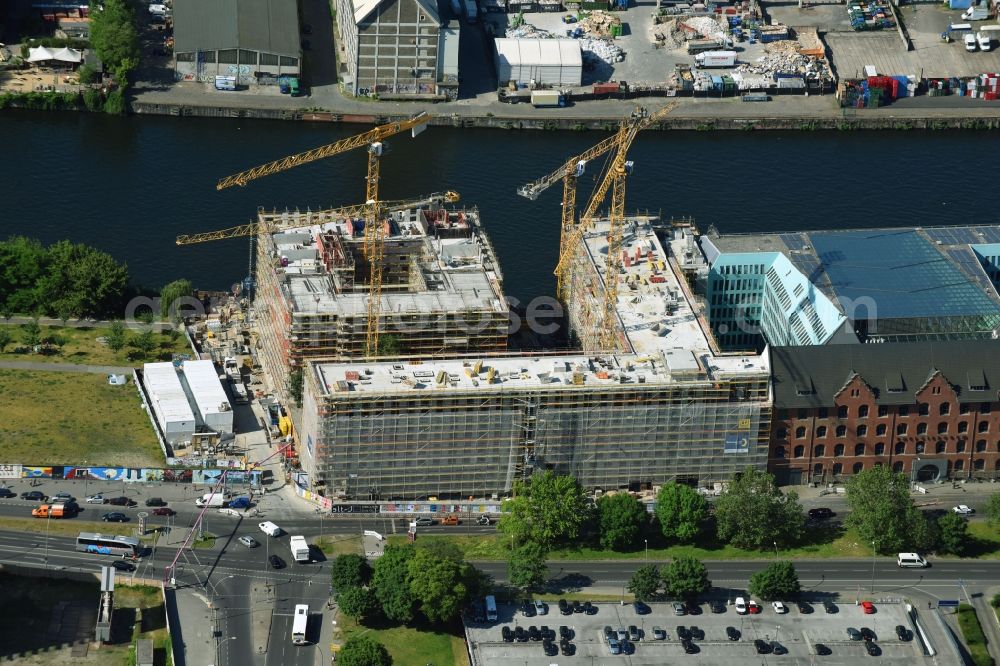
pixel 528 31
pixel 667 35
pixel 600 24
pixel 705 26
pixel 592 48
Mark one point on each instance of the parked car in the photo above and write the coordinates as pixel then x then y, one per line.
pixel 566 648
pixel 63 497
pixel 867 607
pixel 753 607
pixel 541 608
pixel 821 513
pixel 659 634
pixel 853 634
pixel 741 606
pixel 534 634
pixel 121 501
pixel 822 650
pixel 641 608
pixel 778 648
pixel 7 492
pixel 565 633
pixel 565 608
pixel 732 633
pixel 761 646
pixel 424 521
pixel 689 647
pixel 96 499
pixel 547 634
pixel 679 608
pixel 484 520
pixel 696 633
pixel 682 633
pixel 803 607
pixel 114 517
pixel 902 633
pixel 872 649
pixel 520 635
pixel 550 649
pixel 609 633
pixel 963 510
pixel 450 520
pixel 34 496
pixel 577 607
pixel 507 634
pixel 830 608
pixel 248 541
pixel 628 647
pixel 779 607
pixel 633 633
pixel 867 634
pixel 163 511
pixel 716 606
pixel 276 562
pixel 528 609
pixel 155 501
pixel 122 565
pixel 588 608
pixel 614 646
pixel 692 608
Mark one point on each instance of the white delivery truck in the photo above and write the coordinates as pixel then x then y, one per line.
pixel 300 549
pixel 970 41
pixel 212 499
pixel 987 35
pixel 976 14
pixel 716 59
pixel 269 528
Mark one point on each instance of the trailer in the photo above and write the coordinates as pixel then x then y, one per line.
pixel 696 46
pixel 547 98
pixel 300 549
pixel 716 59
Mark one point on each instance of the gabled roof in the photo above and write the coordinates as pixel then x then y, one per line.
pixel 270 26
pixel 364 8
pixel 811 376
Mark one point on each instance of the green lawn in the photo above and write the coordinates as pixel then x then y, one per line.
pixel 82 346
pixel 55 418
pixel 972 632
pixel 339 545
pixel 410 645
pixel 88 521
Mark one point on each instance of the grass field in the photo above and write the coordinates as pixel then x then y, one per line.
pixel 339 545
pixel 82 346
pixel 975 640
pixel 52 418
pixel 68 526
pixel 414 645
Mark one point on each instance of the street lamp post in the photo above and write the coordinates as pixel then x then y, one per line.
pixel 873 567
pixel 775 549
pixel 646 541
pixel 48 518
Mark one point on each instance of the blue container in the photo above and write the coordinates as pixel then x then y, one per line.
pixel 959 4
pixel 716 83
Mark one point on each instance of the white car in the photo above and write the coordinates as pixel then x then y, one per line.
pixel 96 499
pixel 741 606
pixel 779 607
pixel 540 607
pixel 248 541
pixel 963 510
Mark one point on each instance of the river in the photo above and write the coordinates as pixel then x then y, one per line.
pixel 130 185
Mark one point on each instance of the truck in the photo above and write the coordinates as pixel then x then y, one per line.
pixel 547 98
pixel 212 500
pixel 59 510
pixel 716 59
pixel 701 45
pixel 976 14
pixel 987 35
pixel 471 12
pixel 300 549
pixel 239 391
pixel 269 528
pixel 984 40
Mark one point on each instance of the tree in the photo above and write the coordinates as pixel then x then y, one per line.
pixel 363 650
pixel 753 513
pixel 357 602
pixel 388 345
pixel 924 535
pixel 171 299
pixel 349 571
pixel 681 511
pixel 114 103
pixel 526 566
pixel 546 508
pixel 87 74
pixel 390 578
pixel 57 341
pixel 686 578
pixel 645 582
pixel 778 580
pixel 31 334
pixel 620 517
pixel 93 101
pixel 295 381
pixel 145 343
pixel 5 339
pixel 112 32
pixel 115 337
pixel 438 584
pixel 880 508
pixel 953 534
pixel 992 510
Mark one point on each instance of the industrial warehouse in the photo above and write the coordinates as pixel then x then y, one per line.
pixel 188 404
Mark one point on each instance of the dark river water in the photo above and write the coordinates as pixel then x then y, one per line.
pixel 130 185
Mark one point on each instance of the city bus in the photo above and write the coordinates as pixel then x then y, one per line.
pixel 102 544
pixel 299 623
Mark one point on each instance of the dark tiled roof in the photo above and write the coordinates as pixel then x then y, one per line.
pixel 271 26
pixel 810 376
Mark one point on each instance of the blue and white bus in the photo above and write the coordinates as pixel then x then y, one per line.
pixel 108 544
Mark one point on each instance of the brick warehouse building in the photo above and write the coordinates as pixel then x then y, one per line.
pixel 928 409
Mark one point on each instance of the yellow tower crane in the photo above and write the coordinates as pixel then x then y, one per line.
pixel 374 243
pixel 347 212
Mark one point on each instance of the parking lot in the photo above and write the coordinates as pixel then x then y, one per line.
pixel 796 631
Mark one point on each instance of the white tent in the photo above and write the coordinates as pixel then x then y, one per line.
pixel 43 54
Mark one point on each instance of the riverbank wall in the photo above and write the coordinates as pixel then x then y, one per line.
pixel 836 120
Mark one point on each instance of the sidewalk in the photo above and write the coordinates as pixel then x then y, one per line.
pixel 192 627
pixel 65 367
pixel 988 620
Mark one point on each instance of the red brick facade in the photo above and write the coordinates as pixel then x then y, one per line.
pixel 855 432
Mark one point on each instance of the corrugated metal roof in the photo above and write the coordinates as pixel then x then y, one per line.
pixel 164 388
pixel 271 26
pixel 364 8
pixel 540 52
pixel 811 376
pixel 206 389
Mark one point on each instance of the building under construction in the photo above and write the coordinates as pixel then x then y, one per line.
pixel 666 405
pixel 441 289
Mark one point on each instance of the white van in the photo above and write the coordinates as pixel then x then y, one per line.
pixel 491 608
pixel 970 41
pixel 910 560
pixel 269 528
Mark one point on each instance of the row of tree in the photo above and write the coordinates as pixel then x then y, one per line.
pixel 143 344
pixel 114 37
pixel 687 578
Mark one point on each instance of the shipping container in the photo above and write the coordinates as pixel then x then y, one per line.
pixel 546 98
pixel 716 59
pixel 701 45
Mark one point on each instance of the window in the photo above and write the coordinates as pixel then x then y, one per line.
pixel 837 469
pixel 819 451
pixel 880 430
pixel 822 413
pixel 779 452
pixel 942 428
pixel 936 390
pixel 842 412
pixel 984 426
pixel 798 451
pixel 920 447
pixel 821 431
pixel 900 448
pixel 227 57
pixel 939 447
pixel 268 59
pixel 901 429
pixel 963 408
pixel 883 411
pixel 248 57
pixel 781 433
pixel 921 428
pixel 944 408
pixel 185 57
pixel 863 412
pixel 800 432
pixel 838 450
pixel 859 449
pixel 857 467
pixel 862 431
pixel 959 465
pixel 979 464
pixel 818 469
pixel 963 426
pixel 897 467
pixel 880 449
pixel 980 445
pixel 289 62
pixel 904 410
pixel 803 414
pixel 960 446
pixel 841 431
pixel 924 409
pixel 854 392
pixel 984 408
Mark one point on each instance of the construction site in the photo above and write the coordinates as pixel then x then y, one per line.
pixel 389 322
